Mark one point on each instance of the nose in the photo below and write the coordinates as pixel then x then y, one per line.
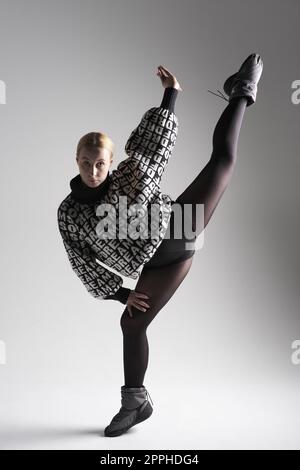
pixel 94 171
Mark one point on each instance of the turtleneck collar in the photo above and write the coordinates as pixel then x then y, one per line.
pixel 86 195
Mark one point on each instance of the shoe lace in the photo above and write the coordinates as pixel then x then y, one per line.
pixel 148 394
pixel 220 96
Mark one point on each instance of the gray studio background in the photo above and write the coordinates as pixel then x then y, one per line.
pixel 220 350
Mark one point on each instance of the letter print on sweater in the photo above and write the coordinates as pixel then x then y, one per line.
pixel 137 177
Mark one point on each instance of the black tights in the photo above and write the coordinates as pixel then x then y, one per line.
pixel 160 283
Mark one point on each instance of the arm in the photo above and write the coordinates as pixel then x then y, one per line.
pixel 151 143
pixel 99 281
pixel 169 99
pixel 149 147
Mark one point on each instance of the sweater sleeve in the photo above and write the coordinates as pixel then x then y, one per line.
pixel 149 147
pixel 121 295
pixel 169 98
pixel 98 280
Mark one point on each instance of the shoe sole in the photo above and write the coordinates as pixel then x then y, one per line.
pixel 144 414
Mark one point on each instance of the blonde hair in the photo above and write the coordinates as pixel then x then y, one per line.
pixel 94 140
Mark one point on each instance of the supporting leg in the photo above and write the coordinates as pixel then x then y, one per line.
pixel 159 284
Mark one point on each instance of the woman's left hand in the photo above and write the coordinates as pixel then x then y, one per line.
pixel 167 78
pixel 135 300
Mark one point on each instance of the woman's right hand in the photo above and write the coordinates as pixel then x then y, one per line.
pixel 167 78
pixel 135 300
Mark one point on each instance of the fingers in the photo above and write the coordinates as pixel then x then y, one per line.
pixel 139 307
pixel 162 73
pixel 140 294
pixel 138 303
pixel 165 71
pixel 167 77
pixel 142 303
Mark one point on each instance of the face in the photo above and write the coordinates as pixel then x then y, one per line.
pixel 94 165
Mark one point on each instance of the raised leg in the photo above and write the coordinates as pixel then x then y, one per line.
pixel 209 185
pixel 159 284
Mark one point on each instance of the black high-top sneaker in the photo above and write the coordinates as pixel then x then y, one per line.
pixel 244 82
pixel 135 409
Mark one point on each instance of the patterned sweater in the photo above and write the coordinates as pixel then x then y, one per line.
pixel 138 177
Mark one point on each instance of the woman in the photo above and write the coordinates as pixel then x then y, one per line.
pixel 160 263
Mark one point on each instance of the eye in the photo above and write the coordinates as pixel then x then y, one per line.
pixel 100 163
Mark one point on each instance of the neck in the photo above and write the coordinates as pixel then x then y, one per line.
pixel 83 193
